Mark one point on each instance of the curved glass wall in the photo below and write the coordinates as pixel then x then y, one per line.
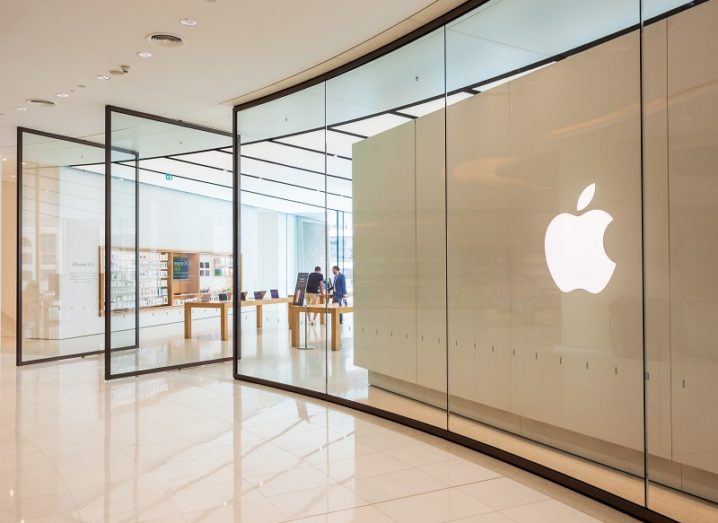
pixel 515 217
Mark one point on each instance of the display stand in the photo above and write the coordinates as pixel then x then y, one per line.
pixel 306 321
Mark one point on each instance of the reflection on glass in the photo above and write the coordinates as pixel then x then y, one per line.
pixel 170 264
pixel 544 247
pixel 483 203
pixel 390 247
pixel 61 233
pixel 681 135
pixel 288 186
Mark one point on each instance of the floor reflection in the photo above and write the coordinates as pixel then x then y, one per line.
pixel 196 446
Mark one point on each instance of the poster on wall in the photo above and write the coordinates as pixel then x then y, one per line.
pixel 180 268
pixel 300 288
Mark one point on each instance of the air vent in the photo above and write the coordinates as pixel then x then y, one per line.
pixel 164 40
pixel 40 102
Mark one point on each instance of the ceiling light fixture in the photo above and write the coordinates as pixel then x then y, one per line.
pixel 41 102
pixel 189 22
pixel 164 40
pixel 144 54
pixel 21 108
pixel 124 69
pixel 102 77
pixel 81 86
pixel 62 95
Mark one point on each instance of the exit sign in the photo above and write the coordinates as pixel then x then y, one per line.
pixel 168 177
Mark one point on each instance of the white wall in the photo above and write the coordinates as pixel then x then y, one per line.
pixel 72 208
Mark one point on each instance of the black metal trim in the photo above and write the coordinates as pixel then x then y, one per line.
pixel 137 252
pixel 63 357
pixel 179 366
pixel 19 331
pixel 444 19
pixel 406 39
pixel 109 109
pixel 170 121
pixel 145 169
pixel 308 149
pixel 108 240
pixel 236 246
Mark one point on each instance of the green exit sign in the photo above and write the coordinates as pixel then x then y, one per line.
pixel 168 177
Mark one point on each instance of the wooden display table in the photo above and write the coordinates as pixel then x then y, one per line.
pixel 224 307
pixel 333 310
pixel 265 301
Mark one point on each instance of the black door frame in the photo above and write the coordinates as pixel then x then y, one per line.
pixel 109 110
pixel 21 132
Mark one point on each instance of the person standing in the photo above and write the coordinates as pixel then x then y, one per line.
pixel 315 289
pixel 340 289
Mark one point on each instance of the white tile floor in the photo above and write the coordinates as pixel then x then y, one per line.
pixel 196 446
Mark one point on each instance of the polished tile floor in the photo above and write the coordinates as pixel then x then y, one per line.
pixel 196 446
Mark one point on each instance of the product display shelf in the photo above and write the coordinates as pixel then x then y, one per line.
pixel 154 282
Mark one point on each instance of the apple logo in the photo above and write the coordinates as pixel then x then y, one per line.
pixel 575 255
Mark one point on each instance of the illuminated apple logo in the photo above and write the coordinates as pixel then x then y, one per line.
pixel 575 255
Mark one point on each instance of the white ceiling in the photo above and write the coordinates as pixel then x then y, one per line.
pixel 239 46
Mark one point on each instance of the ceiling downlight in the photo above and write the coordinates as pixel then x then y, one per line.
pixel 166 40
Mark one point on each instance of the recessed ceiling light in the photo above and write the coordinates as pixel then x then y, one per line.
pixel 62 95
pixel 102 77
pixel 144 54
pixel 21 108
pixel 4 159
pixel 190 22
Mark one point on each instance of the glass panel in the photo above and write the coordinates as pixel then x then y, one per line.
pixel 391 352
pixel 681 220
pixel 284 189
pixel 171 245
pixel 61 237
pixel 544 239
pixel 502 36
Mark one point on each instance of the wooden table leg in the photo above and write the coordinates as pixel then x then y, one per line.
pixel 259 316
pixel 295 326
pixel 336 336
pixel 224 323
pixel 187 321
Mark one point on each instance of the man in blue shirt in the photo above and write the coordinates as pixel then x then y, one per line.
pixel 340 289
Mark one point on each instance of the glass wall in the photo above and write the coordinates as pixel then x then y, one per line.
pixel 61 234
pixel 395 335
pixel 168 275
pixel 521 222
pixel 680 110
pixel 544 242
pixel 284 203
